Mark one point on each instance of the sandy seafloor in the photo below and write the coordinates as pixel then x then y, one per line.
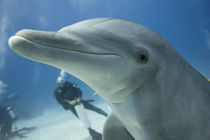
pixel 58 124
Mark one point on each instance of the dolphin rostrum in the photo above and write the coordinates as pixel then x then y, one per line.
pixel 153 92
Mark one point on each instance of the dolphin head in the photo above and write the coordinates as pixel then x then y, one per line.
pixel 113 56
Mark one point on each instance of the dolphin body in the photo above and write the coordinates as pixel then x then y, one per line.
pixel 153 92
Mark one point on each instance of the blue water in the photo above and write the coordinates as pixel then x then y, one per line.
pixel 185 24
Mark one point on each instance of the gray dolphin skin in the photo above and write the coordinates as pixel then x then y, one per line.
pixel 153 92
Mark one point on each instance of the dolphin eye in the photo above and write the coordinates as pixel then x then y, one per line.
pixel 143 57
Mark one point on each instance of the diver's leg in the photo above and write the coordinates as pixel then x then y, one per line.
pixel 94 134
pixel 114 130
pixel 73 110
pixel 3 131
pixel 93 108
pixel 6 129
pixel 9 127
pixel 85 121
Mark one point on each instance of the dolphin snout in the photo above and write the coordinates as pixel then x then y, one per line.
pixel 12 41
pixel 24 32
pixel 40 37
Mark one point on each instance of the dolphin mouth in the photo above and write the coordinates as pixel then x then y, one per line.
pixel 54 40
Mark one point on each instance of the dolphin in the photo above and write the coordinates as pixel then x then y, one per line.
pixel 154 94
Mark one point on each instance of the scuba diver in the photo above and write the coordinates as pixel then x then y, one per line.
pixel 7 115
pixel 69 96
pixel 6 119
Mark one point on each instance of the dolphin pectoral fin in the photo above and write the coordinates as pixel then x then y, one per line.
pixel 114 130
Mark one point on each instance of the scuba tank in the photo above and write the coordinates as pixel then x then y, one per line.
pixel 11 113
pixel 82 115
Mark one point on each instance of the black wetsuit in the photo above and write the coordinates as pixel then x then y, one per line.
pixel 5 122
pixel 70 91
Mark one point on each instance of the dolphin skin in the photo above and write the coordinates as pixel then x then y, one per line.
pixel 153 92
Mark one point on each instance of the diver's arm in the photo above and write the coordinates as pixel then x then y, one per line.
pixel 57 95
pixel 77 92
